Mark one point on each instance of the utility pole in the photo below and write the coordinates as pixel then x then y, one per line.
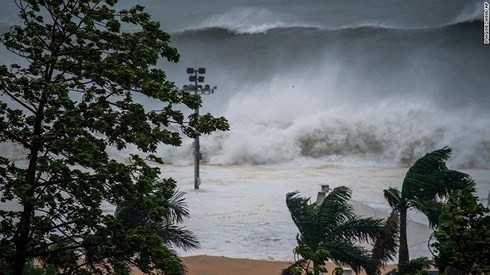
pixel 197 76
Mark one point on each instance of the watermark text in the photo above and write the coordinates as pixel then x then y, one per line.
pixel 486 31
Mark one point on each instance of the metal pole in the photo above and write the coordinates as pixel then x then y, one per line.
pixel 197 180
pixel 195 78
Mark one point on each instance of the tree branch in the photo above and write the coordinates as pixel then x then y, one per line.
pixel 16 99
pixel 17 139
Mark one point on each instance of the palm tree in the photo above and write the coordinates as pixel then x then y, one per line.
pixel 425 185
pixel 330 230
pixel 172 234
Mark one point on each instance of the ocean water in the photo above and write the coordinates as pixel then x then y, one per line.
pixel 344 92
pixel 240 211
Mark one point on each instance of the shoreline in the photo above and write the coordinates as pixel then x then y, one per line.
pixel 222 265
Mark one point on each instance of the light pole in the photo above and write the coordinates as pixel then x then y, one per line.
pixel 197 76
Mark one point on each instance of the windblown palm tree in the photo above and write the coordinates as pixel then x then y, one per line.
pixel 331 230
pixel 425 185
pixel 169 231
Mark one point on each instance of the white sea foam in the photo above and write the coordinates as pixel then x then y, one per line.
pixel 317 117
pixel 248 21
pixel 240 211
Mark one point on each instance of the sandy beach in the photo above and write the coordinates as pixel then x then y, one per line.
pixel 218 265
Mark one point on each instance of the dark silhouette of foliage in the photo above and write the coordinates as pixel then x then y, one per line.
pixel 463 236
pixel 80 89
pixel 386 245
pixel 426 183
pixel 417 266
pixel 331 231
pixel 172 234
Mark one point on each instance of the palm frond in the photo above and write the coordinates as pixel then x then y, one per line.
pixel 357 229
pixel 428 190
pixel 430 208
pixel 435 160
pixel 304 216
pixel 177 208
pixel 171 234
pixel 177 236
pixel 437 184
pixel 446 181
pixel 430 177
pixel 354 256
pixel 426 165
pixel 386 244
pixel 335 208
pixel 394 198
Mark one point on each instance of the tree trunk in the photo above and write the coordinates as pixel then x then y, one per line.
pixel 21 244
pixel 403 255
pixel 21 237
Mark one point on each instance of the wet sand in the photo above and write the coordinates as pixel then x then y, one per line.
pixel 218 265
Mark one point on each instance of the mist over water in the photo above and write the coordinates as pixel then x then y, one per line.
pixel 357 94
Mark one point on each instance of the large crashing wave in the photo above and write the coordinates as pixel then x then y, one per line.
pixel 266 131
pixel 355 94
pixel 243 21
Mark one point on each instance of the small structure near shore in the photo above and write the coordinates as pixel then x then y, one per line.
pixel 323 193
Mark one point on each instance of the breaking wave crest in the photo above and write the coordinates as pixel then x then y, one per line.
pixel 247 21
pixel 234 28
pixel 390 132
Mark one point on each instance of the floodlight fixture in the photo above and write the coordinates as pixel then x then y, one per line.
pixel 197 76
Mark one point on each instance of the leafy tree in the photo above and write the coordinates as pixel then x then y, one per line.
pixel 331 230
pixel 79 92
pixel 463 236
pixel 426 183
